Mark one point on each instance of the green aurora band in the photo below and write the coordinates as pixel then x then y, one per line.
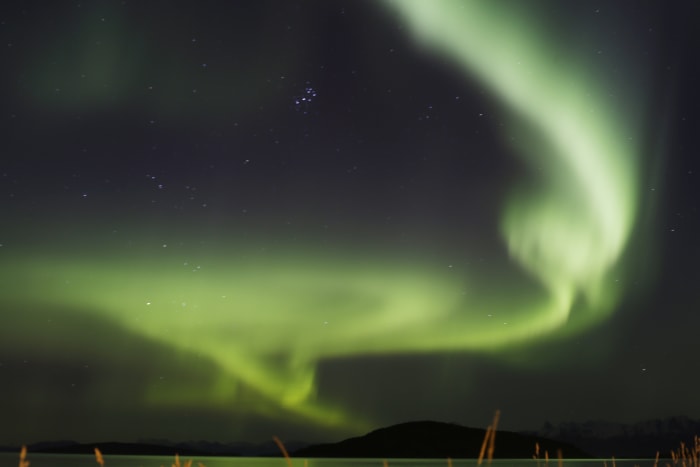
pixel 267 323
pixel 569 228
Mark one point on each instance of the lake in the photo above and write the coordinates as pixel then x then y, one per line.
pixel 81 460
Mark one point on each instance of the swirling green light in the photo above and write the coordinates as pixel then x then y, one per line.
pixel 268 322
pixel 570 224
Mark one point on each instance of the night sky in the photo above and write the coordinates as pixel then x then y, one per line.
pixel 233 220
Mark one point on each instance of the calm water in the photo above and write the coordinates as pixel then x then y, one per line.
pixel 64 460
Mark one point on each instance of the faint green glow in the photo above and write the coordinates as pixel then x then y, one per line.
pixel 98 59
pixel 268 322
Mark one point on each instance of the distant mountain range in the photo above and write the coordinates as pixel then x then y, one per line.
pixel 160 447
pixel 642 439
pixel 427 439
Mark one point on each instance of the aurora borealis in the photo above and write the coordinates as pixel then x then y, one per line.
pixel 585 192
pixel 315 218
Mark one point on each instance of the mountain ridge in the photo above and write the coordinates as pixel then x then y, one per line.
pixel 430 439
pixel 602 439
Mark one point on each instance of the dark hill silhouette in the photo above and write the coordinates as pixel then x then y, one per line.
pixel 428 439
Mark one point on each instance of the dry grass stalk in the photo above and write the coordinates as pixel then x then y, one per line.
pixel 489 440
pixel 492 441
pixel 98 457
pixel 686 456
pixel 385 463
pixel 186 464
pixel 23 462
pixel 279 444
pixel 487 436
pixel 536 455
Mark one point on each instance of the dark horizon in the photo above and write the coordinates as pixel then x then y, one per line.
pixel 311 219
pixel 425 440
